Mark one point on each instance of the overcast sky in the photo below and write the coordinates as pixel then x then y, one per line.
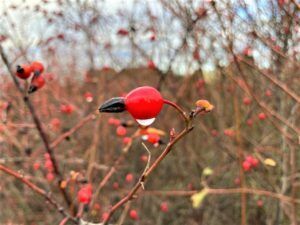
pixel 31 27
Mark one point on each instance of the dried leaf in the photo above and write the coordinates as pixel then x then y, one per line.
pixel 269 162
pixel 205 104
pixel 74 175
pixel 63 184
pixel 198 198
pixel 207 171
pixel 152 130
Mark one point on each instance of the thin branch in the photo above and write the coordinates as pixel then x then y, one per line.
pixel 38 190
pixel 38 125
pixel 226 191
pixel 155 164
pixel 68 133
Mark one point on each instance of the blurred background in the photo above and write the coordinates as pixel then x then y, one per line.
pixel 243 56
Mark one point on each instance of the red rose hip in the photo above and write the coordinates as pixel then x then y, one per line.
pixel 143 103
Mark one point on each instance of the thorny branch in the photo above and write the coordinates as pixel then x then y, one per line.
pixel 38 190
pixel 38 125
pixel 188 128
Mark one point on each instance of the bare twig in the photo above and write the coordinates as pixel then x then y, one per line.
pixel 38 124
pixel 225 191
pixel 188 128
pixel 40 191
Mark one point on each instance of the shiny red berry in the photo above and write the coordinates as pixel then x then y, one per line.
pixel 247 101
pixel 55 123
pixel 67 109
pixel 113 121
pixel 133 214
pixel 268 93
pixel 36 166
pixel 116 185
pixel 24 71
pixel 49 165
pixel 144 158
pixel 252 160
pixel 262 116
pixel 129 178
pixel 84 195
pixel 50 176
pixel 144 102
pixel 153 138
pixel 164 207
pixel 47 156
pixel 249 122
pixel 39 82
pixel 229 132
pixel 127 140
pixel 37 67
pixel 246 166
pixel 121 131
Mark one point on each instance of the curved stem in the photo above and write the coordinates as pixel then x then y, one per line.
pixel 145 174
pixel 179 109
pixel 157 161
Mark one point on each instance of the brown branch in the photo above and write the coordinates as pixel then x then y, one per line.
pixel 38 190
pixel 296 4
pixel 274 80
pixel 266 109
pixel 38 125
pixel 260 103
pixel 239 150
pixel 225 191
pixel 109 174
pixel 68 133
pixel 188 128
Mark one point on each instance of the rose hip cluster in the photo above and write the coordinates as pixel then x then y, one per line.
pixel 36 69
pixel 67 109
pixel 249 163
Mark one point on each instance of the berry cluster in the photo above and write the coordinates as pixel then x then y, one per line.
pixel 249 163
pixel 67 109
pixel 26 70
